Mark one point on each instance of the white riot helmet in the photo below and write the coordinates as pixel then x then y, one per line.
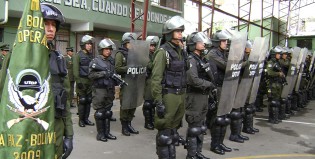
pixel 86 39
pixel 106 43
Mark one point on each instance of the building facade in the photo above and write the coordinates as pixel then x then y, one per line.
pixel 98 18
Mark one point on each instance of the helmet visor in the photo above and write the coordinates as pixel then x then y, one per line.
pixel 201 37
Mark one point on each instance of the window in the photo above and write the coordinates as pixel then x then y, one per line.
pixel 1 34
pixel 305 43
pixel 173 4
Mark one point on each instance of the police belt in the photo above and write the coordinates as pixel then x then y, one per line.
pixel 177 91
pixel 191 89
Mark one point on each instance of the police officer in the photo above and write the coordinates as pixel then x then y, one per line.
pixel 285 64
pixel 81 61
pixel 70 73
pixel 4 51
pixel 103 89
pixel 60 83
pixel 148 105
pixel 237 113
pixel 275 74
pixel 218 124
pixel 126 115
pixel 169 86
pixel 198 88
pixel 248 110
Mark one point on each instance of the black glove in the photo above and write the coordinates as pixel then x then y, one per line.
pixel 80 85
pixel 160 109
pixel 67 147
pixel 212 87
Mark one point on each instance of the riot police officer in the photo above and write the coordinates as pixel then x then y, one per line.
pixel 148 105
pixel 218 124
pixel 60 83
pixel 70 73
pixel 285 64
pixel 126 115
pixel 275 76
pixel 237 113
pixel 169 86
pixel 4 51
pixel 198 87
pixel 81 61
pixel 103 89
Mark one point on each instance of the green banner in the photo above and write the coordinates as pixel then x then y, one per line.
pixel 27 110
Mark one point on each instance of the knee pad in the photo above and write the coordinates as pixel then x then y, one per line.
pixel 234 115
pixel 147 105
pixel 82 100
pixel 283 100
pixel 108 114
pixel 248 110
pixel 163 139
pixel 203 129
pixel 89 98
pixel 220 121
pixel 193 131
pixel 99 114
pixel 227 121
pixel 274 103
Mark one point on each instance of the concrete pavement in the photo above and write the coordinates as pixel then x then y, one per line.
pixel 291 139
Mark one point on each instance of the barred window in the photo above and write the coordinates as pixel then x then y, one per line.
pixel 305 43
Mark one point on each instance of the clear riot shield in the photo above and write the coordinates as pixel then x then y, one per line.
pixel 312 72
pixel 300 68
pixel 296 52
pixel 232 73
pixel 138 58
pixel 249 73
pixel 291 76
pixel 259 70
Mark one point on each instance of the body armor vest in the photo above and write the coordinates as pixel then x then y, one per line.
pixel 84 62
pixel 175 72
pixel 105 82
pixel 58 71
pixel 220 72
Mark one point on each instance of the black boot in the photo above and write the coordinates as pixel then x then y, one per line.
pixel 191 147
pixel 147 113
pixel 124 128
pixel 87 114
pixel 294 103
pixel 131 129
pixel 258 103
pixel 215 140
pixel 282 114
pixel 199 147
pixel 222 135
pixel 251 123
pixel 108 135
pixel 81 110
pixel 236 131
pixel 247 121
pixel 100 126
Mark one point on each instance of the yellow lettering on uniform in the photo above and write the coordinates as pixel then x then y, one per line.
pixel 2 140
pixel 39 139
pixel 37 37
pixel 18 143
pixel 26 34
pixel 10 140
pixel 35 5
pixel 29 20
pixel 36 22
pixel 50 137
pixel 31 36
pixel 20 25
pixel 41 23
pixel 33 140
pixel 20 36
pixel 44 41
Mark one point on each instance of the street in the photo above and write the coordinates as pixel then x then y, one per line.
pixel 292 139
